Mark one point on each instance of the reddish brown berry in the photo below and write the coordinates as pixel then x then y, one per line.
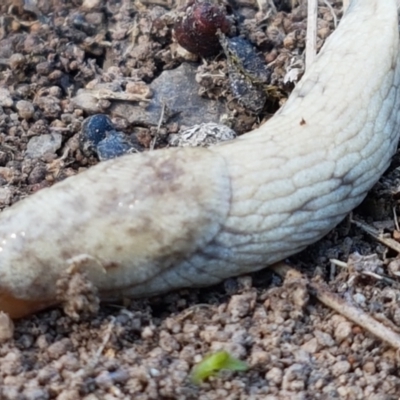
pixel 196 30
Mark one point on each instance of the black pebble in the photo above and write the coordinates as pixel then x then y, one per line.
pixel 94 130
pixel 115 144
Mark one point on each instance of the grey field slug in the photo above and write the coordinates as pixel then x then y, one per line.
pixel 145 224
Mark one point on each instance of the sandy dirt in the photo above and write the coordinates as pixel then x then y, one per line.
pixel 55 58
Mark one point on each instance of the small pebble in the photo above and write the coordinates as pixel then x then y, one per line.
pixel 90 4
pixel 369 367
pixel 25 109
pixel 343 331
pixel 6 194
pixel 274 376
pixel 59 348
pixel 324 339
pixel 16 61
pixel 359 298
pixel 311 346
pixel 340 368
pixel 38 146
pixel 35 393
pixel 5 98
pixel 6 327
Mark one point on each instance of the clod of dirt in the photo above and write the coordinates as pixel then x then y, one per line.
pixel 247 72
pixel 78 295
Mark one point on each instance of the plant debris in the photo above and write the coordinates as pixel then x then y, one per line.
pixel 214 363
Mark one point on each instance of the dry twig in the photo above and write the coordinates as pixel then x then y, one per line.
pixel 377 235
pixel 267 6
pixel 311 39
pixel 160 121
pixel 106 94
pixel 331 9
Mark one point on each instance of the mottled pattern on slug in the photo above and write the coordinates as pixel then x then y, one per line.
pixel 301 173
pixel 324 150
pixel 145 224
pixel 125 220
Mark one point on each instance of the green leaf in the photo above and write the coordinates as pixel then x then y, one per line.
pixel 212 364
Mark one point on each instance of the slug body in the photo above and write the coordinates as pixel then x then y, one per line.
pixel 145 224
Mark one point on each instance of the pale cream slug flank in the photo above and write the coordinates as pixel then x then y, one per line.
pixel 150 223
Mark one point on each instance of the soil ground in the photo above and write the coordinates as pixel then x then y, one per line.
pixel 295 347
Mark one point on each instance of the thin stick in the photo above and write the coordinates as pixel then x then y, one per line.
pixel 160 121
pixel 267 6
pixel 106 338
pixel 321 291
pixel 376 234
pixel 311 40
pixel 396 219
pixel 329 5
